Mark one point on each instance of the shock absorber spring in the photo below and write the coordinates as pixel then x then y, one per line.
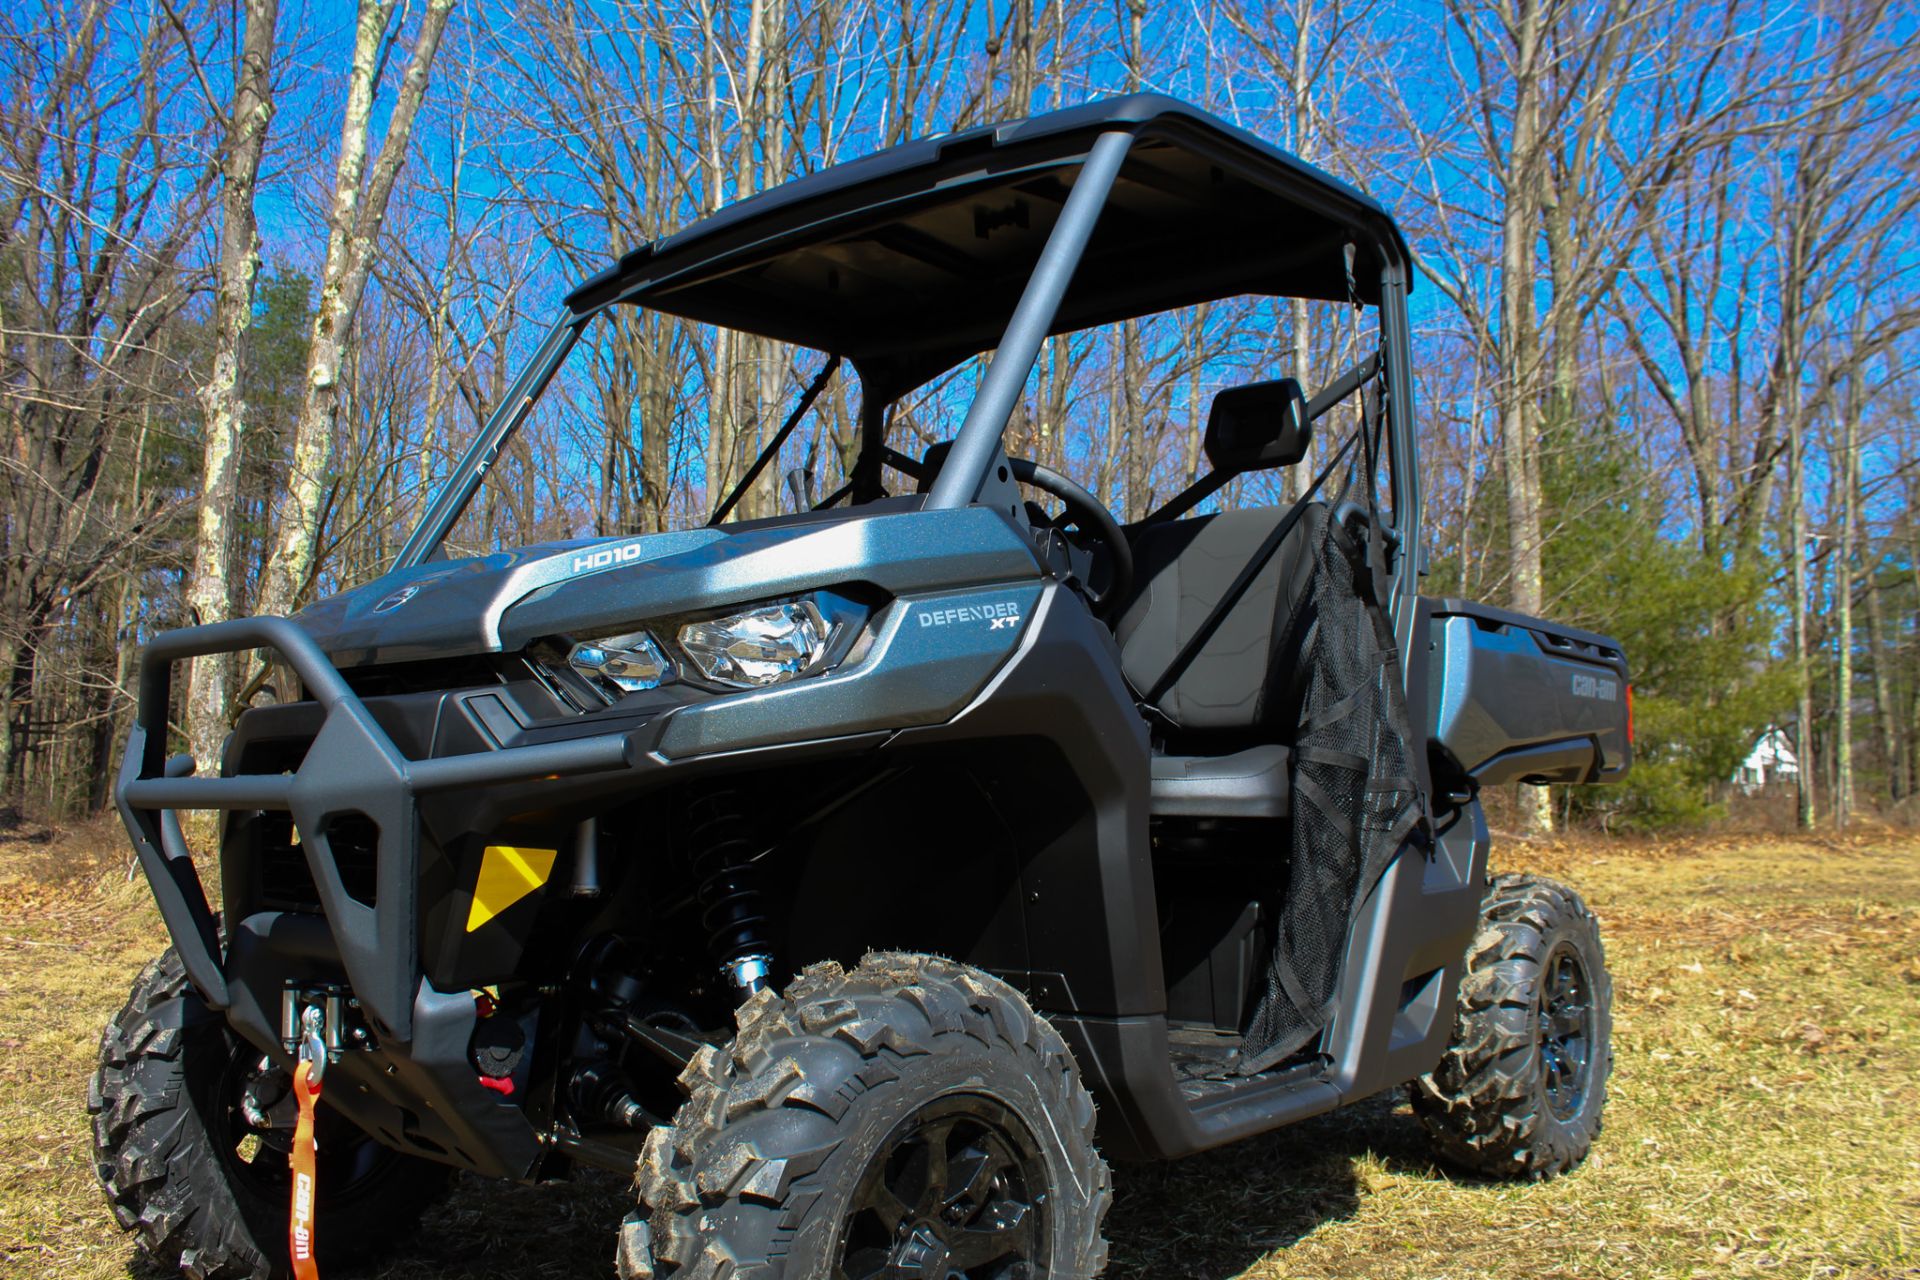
pixel 732 905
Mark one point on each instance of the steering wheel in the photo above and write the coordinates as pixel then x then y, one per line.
pixel 1091 517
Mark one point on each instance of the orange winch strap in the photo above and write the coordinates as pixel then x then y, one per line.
pixel 300 1218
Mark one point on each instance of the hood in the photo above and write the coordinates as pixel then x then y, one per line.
pixel 504 601
pixel 450 608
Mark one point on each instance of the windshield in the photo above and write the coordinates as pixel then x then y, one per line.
pixel 651 422
pixel 647 423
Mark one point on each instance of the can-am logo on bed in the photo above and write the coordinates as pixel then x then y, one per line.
pixel 1599 687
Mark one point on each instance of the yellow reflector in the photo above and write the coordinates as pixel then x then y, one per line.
pixel 507 874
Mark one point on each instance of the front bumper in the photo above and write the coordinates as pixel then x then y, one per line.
pixel 353 769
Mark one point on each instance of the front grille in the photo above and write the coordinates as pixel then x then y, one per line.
pixel 286 883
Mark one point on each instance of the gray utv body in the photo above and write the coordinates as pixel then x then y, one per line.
pixel 973 770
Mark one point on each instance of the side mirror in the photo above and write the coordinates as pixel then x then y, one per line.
pixel 1260 425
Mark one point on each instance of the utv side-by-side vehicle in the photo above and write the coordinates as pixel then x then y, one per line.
pixel 863 879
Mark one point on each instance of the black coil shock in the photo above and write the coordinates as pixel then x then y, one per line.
pixel 732 908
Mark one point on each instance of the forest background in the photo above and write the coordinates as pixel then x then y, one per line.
pixel 265 267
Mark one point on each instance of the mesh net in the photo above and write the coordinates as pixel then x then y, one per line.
pixel 1355 801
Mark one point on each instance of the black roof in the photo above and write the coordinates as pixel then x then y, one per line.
pixel 910 260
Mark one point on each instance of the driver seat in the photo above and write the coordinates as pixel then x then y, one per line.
pixel 1224 720
pixel 1238 684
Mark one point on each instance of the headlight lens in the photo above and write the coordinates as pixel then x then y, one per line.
pixel 628 663
pixel 768 645
pixel 753 648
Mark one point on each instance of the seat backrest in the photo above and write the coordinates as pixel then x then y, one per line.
pixel 1241 680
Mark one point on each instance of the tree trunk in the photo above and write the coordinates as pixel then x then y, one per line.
pixel 440 381
pixel 1135 458
pixel 12 735
pixel 1294 481
pixel 1880 653
pixel 1196 411
pixel 210 584
pixel 1804 811
pixel 353 232
pixel 721 428
pixel 1518 340
pixel 1843 609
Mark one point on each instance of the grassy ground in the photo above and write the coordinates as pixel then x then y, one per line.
pixel 1764 1117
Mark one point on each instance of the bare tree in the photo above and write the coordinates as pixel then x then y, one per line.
pixel 210 585
pixel 359 207
pixel 1673 238
pixel 105 137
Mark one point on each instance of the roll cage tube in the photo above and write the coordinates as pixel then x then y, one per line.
pixel 965 470
pixel 1396 340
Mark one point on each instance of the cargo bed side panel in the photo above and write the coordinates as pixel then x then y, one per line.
pixel 1517 699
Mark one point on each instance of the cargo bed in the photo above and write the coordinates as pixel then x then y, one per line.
pixel 1517 699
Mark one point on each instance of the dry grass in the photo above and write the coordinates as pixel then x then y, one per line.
pixel 1765 1114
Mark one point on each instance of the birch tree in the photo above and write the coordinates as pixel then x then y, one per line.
pixel 360 197
pixel 210 585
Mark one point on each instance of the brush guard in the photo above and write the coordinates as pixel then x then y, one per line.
pixel 352 768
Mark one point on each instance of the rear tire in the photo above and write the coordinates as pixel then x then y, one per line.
pixel 1523 1084
pixel 911 1114
pixel 204 1192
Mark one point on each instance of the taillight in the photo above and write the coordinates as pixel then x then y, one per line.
pixel 1629 715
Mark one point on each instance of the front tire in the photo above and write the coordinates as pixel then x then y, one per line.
pixel 1523 1084
pixel 910 1117
pixel 202 1188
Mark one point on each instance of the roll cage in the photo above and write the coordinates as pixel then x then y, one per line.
pixel 910 261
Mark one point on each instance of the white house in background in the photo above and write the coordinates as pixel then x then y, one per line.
pixel 1771 759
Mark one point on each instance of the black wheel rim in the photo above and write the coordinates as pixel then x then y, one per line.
pixel 1566 1031
pixel 256 1156
pixel 958 1191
